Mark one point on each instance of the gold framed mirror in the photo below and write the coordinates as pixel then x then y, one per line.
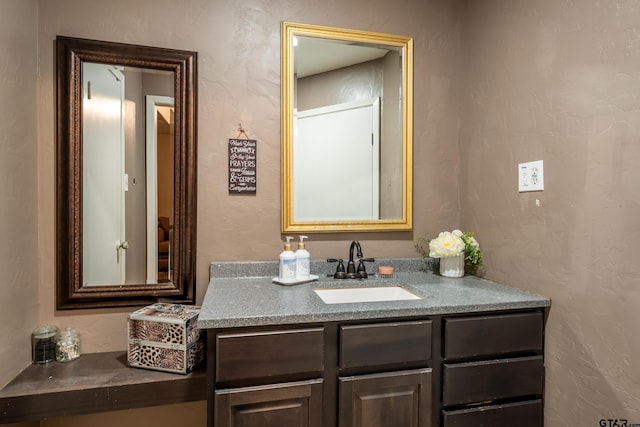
pixel 347 108
pixel 126 174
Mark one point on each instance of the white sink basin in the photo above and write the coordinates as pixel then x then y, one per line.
pixel 372 294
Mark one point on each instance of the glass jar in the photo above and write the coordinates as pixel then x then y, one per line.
pixel 43 344
pixel 68 345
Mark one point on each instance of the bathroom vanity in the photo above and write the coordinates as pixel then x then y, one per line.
pixel 466 352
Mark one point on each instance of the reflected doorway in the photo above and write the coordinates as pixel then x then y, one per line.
pixel 159 156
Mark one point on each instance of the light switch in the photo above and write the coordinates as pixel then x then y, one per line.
pixel 531 176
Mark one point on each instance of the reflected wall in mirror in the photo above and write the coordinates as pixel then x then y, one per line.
pixel 347 130
pixel 126 177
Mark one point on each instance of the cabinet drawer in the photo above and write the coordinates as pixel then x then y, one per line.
pixel 267 354
pixel 384 343
pixel 492 335
pixel 495 379
pixel 521 414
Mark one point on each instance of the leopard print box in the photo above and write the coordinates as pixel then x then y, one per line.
pixel 165 337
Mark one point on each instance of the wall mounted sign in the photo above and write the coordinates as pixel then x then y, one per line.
pixel 242 166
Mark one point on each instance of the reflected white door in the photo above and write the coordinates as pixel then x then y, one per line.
pixel 103 179
pixel 336 154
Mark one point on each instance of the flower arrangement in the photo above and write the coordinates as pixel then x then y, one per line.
pixel 454 243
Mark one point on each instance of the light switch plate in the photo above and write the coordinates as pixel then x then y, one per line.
pixel 531 176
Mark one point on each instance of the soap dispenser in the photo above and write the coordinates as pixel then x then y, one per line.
pixel 287 270
pixel 303 258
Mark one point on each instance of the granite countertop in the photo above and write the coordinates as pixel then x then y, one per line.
pixel 242 294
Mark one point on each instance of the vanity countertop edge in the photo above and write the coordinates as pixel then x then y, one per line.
pixel 242 294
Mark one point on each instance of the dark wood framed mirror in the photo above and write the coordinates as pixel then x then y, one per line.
pixel 126 174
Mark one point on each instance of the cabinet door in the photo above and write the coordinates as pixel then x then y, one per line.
pixel 394 399
pixel 296 404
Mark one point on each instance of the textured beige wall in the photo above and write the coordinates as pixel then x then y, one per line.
pixel 238 45
pixel 559 81
pixel 547 80
pixel 18 185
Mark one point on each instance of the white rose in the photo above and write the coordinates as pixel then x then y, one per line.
pixel 445 245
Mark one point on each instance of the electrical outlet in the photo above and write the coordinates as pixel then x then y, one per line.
pixel 531 176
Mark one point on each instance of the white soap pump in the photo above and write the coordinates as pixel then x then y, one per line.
pixel 287 270
pixel 303 261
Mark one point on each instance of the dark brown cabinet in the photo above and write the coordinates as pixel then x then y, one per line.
pixel 391 396
pixel 278 405
pixel 493 370
pixel 392 399
pixel 437 371
pixel 267 377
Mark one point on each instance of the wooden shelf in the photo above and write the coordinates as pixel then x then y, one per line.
pixel 95 382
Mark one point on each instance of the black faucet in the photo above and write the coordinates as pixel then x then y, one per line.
pixel 352 272
pixel 351 267
pixel 360 272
